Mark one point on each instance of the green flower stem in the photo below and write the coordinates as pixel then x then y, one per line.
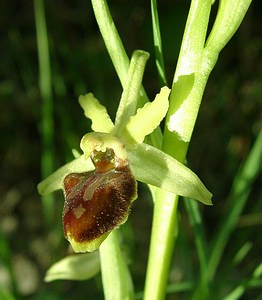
pixel 47 126
pixel 163 237
pixel 187 90
pixel 111 38
pixel 195 63
pixel 116 278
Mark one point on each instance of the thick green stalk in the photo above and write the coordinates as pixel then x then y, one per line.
pixel 189 82
pixel 163 237
pixel 187 91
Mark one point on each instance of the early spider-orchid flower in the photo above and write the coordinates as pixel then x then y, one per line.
pixel 100 185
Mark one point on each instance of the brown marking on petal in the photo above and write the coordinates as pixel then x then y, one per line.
pixel 73 180
pixel 97 202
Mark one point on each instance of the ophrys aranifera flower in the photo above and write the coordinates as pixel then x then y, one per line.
pixel 100 185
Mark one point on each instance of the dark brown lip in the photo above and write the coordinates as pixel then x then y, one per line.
pixel 96 202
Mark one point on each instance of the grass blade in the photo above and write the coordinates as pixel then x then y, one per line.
pixel 158 44
pixel 200 240
pixel 238 196
pixel 47 126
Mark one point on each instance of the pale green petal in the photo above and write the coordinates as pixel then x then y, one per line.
pixel 154 167
pixel 95 111
pixel 76 153
pixel 75 267
pixel 130 95
pixel 55 180
pixel 147 118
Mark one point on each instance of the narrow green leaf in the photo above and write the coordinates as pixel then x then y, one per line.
pixel 237 199
pixel 158 43
pixel 193 211
pixel 147 118
pixel 75 267
pixel 47 120
pixel 118 55
pixel 258 271
pixel 153 166
pixel 97 113
pixel 236 293
pixel 254 283
pixel 242 252
pixel 229 17
pixel 55 181
pixel 111 38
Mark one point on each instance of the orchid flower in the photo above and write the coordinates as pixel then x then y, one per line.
pixel 100 184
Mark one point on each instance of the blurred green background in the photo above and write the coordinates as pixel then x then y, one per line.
pixel 228 122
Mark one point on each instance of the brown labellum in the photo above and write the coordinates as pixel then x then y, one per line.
pixel 96 202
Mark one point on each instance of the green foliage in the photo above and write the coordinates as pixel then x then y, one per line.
pixel 221 249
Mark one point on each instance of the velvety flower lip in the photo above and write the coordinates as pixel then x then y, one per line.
pixel 98 201
pixel 114 157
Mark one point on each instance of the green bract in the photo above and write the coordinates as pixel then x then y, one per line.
pixel 75 267
pixel 148 164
